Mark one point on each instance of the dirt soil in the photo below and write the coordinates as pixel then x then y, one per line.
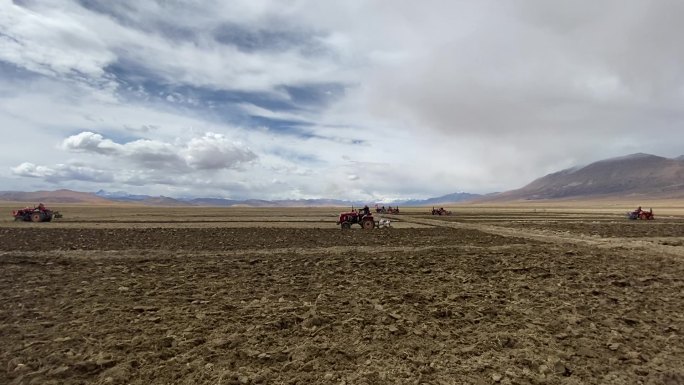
pixel 632 229
pixel 440 305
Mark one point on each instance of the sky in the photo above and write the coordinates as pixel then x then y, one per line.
pixel 297 99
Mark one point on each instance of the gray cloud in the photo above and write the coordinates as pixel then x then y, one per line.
pixel 145 128
pixel 82 41
pixel 537 85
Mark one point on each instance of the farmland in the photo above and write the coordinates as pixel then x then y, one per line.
pixel 492 295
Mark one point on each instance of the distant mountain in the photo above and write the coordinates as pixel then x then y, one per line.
pixel 105 197
pixel 445 199
pixel 162 201
pixel 121 196
pixel 58 196
pixel 214 202
pixel 275 203
pixel 316 202
pixel 636 174
pixel 631 175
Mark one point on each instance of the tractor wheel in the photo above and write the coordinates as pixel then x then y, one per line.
pixel 36 217
pixel 368 224
pixel 346 226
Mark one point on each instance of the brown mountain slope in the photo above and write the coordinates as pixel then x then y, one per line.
pixel 58 196
pixel 636 174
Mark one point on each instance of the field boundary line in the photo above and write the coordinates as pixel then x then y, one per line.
pixel 535 235
pixel 338 250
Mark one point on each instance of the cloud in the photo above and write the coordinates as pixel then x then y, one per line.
pixel 209 152
pixel 84 41
pixel 32 171
pixel 145 128
pixel 214 151
pixel 91 142
pixel 52 43
pixel 62 172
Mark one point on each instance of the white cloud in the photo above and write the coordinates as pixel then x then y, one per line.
pixel 33 171
pixel 209 152
pixel 91 142
pixel 215 151
pixel 52 42
pixel 62 173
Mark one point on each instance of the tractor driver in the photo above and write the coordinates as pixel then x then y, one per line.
pixel 366 210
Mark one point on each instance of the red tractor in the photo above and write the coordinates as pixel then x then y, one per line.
pixel 388 210
pixel 440 211
pixel 641 214
pixel 39 213
pixel 364 219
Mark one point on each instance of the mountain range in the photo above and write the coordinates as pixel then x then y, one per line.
pixel 627 176
pixel 632 175
pixel 105 197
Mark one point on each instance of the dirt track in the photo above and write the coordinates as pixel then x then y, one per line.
pixel 262 305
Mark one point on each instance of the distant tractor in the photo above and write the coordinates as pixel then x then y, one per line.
pixel 386 210
pixel 641 214
pixel 440 211
pixel 365 220
pixel 39 213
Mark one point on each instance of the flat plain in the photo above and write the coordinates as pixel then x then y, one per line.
pixel 488 295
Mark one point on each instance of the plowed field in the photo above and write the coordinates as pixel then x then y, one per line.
pixel 430 301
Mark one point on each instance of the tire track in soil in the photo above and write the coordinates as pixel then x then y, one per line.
pixel 555 238
pixel 315 251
